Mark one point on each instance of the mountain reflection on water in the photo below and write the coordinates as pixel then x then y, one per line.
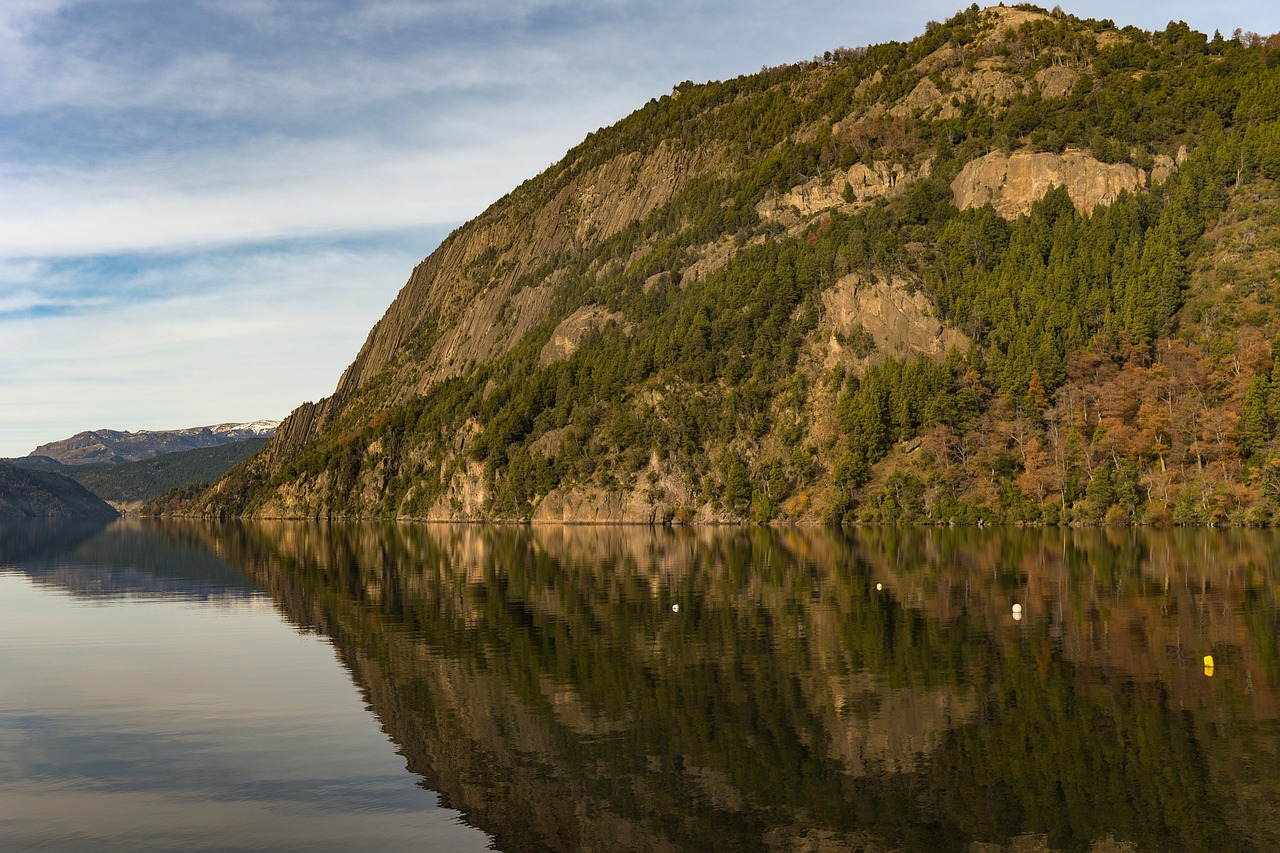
pixel 575 688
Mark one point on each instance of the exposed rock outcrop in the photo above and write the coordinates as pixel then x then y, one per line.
pixel 567 337
pixel 898 318
pixel 844 189
pixel 924 97
pixel 1011 183
pixel 472 299
pixel 1056 81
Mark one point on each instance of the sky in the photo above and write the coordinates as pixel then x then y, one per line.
pixel 205 205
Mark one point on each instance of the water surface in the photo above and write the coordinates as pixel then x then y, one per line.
pixel 388 686
pixel 153 697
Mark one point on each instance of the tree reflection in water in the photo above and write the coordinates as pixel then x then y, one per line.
pixel 575 688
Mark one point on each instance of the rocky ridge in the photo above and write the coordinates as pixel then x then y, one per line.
pixel 118 446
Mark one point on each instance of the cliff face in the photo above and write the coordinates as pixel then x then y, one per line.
pixel 1011 183
pixel 488 285
pixel 688 316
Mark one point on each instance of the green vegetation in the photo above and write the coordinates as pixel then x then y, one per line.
pixel 1115 372
pixel 133 482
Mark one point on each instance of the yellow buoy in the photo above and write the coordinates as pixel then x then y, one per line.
pixel 1208 661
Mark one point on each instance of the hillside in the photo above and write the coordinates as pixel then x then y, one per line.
pixel 44 494
pixel 1020 268
pixel 130 484
pixel 114 447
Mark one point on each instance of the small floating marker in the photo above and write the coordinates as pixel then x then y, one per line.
pixel 1208 661
pixel 1017 608
pixel 675 608
pixel 879 587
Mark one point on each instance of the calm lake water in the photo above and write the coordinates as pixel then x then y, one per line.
pixel 392 687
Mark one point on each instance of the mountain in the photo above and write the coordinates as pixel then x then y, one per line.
pixel 127 485
pixel 1021 268
pixel 44 494
pixel 115 447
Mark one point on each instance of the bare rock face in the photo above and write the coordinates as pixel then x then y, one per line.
pixel 1056 81
pixel 1162 168
pixel 474 290
pixel 665 495
pixel 1011 183
pixel 924 97
pixel 474 285
pixel 991 85
pixel 855 185
pixel 898 317
pixel 568 336
pixel 943 57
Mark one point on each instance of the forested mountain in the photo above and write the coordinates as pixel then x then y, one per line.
pixel 130 484
pixel 1020 268
pixel 44 494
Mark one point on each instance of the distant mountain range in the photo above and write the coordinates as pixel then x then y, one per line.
pixel 129 484
pixel 116 447
pixel 79 476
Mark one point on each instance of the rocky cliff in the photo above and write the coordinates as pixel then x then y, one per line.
pixel 1011 183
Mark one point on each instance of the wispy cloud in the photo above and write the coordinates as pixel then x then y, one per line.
pixel 187 339
pixel 263 189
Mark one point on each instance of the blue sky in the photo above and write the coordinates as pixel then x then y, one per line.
pixel 206 204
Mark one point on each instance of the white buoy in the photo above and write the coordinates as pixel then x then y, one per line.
pixel 1017 608
pixel 879 586
pixel 675 608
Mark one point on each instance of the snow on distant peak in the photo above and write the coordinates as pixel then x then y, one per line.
pixel 263 427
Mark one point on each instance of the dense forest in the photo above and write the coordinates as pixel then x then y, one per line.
pixel 1120 364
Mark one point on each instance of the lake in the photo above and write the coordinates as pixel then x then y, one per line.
pixel 312 686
